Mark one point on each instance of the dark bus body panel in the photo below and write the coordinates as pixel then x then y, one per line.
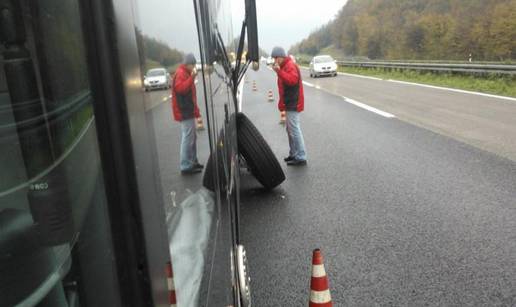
pixel 91 196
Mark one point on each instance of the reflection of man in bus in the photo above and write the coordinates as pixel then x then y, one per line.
pixel 184 106
pixel 291 100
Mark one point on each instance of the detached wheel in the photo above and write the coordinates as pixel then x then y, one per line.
pixel 259 157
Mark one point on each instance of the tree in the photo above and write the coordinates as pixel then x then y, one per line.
pixel 419 29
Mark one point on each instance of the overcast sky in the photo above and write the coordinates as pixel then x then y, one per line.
pixel 286 22
pixel 280 22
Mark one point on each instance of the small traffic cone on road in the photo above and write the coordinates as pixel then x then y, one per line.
pixel 200 124
pixel 172 300
pixel 270 96
pixel 282 118
pixel 319 287
pixel 254 86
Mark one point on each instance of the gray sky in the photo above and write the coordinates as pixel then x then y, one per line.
pixel 286 22
pixel 280 22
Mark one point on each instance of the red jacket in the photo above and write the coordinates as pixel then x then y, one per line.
pixel 290 85
pixel 184 97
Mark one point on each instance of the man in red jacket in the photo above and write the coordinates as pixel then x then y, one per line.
pixel 184 106
pixel 291 100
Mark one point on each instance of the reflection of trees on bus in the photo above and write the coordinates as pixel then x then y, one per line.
pixel 157 53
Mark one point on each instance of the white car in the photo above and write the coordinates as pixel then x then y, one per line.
pixel 157 78
pixel 270 61
pixel 323 65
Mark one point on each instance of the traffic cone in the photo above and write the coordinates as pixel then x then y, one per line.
pixel 200 124
pixel 282 118
pixel 254 86
pixel 170 285
pixel 270 97
pixel 319 288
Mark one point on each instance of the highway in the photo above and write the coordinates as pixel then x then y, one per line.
pixel 409 191
pixel 481 120
pixel 405 214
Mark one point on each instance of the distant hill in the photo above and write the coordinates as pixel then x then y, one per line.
pixel 419 29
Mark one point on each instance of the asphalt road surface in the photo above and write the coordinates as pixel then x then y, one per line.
pixel 481 120
pixel 404 214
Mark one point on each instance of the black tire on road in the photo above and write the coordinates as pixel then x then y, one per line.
pixel 257 153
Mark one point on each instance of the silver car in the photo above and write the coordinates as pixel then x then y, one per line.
pixel 157 78
pixel 323 65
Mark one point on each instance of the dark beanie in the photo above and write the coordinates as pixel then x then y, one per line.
pixel 278 52
pixel 189 59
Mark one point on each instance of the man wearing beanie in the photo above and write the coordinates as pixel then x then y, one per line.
pixel 291 100
pixel 185 110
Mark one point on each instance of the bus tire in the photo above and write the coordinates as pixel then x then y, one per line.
pixel 259 157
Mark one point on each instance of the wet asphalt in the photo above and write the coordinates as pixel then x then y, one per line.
pixel 404 216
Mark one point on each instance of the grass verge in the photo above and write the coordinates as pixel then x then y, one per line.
pixel 492 84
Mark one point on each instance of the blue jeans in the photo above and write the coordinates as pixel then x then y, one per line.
pixel 295 136
pixel 188 144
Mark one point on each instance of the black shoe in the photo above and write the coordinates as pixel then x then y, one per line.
pixel 296 162
pixel 198 165
pixel 192 170
pixel 289 158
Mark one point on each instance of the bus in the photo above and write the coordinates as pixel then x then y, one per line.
pixel 94 208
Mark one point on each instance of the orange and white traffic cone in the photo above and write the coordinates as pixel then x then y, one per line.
pixel 270 96
pixel 319 287
pixel 200 124
pixel 170 285
pixel 254 86
pixel 283 117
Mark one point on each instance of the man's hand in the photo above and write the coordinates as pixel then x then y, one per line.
pixel 194 73
pixel 276 67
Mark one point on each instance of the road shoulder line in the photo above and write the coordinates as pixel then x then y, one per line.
pixel 453 90
pixel 360 76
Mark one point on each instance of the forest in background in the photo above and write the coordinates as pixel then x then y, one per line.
pixel 159 54
pixel 418 29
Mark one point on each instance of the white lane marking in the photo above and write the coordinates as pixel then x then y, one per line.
pixel 308 84
pixel 318 87
pixel 368 108
pixel 359 76
pixel 454 90
pixel 240 93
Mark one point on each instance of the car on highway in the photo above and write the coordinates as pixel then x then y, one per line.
pixel 323 65
pixel 157 78
pixel 270 61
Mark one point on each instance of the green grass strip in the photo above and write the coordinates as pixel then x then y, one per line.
pixel 491 84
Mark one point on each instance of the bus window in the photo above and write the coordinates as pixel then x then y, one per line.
pixel 55 238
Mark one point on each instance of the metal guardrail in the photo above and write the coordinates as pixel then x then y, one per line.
pixel 478 69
